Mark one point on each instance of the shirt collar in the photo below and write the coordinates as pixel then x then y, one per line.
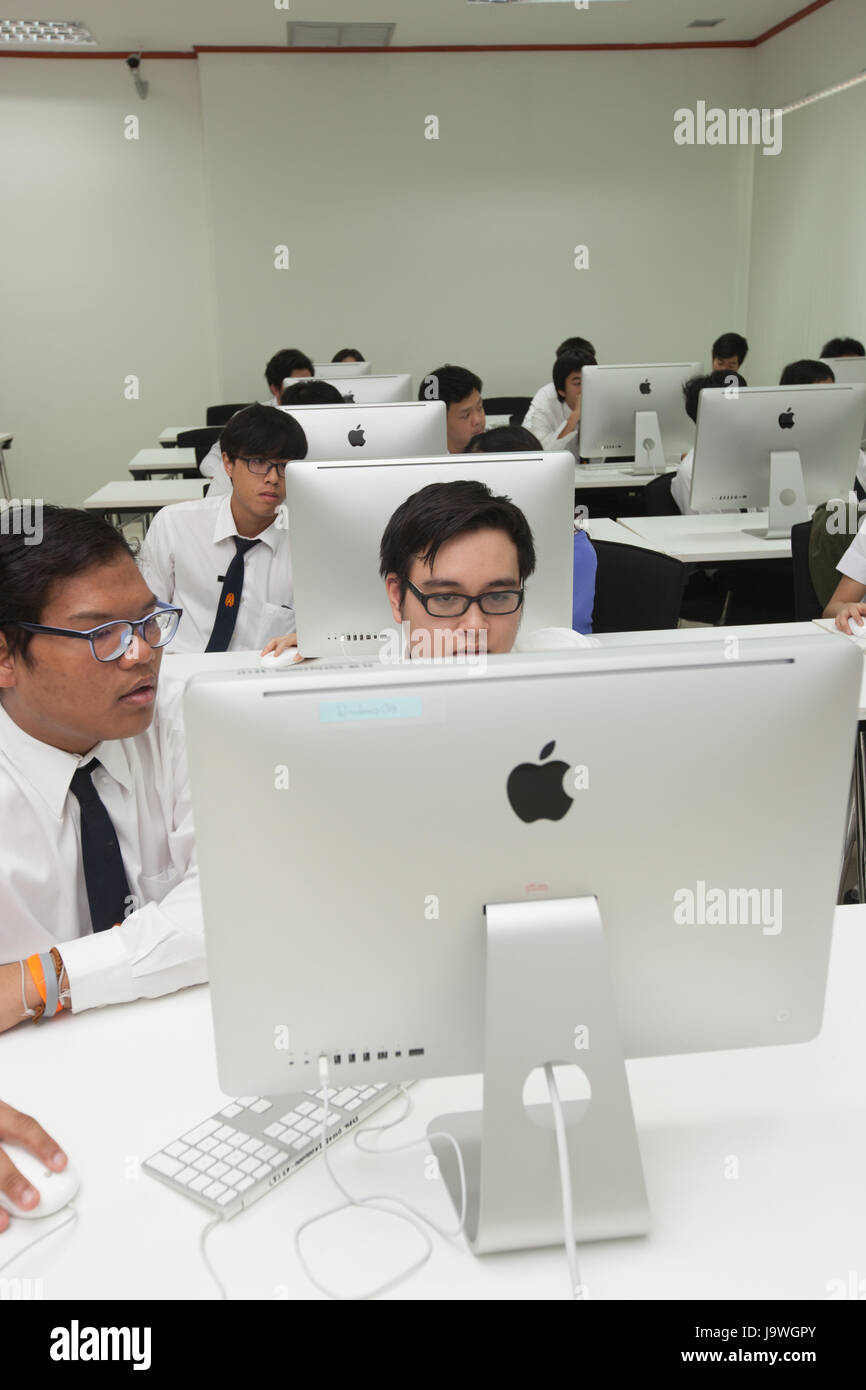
pixel 225 528
pixel 50 770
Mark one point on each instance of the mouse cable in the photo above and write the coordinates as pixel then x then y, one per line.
pixel 217 1221
pixel 378 1202
pixel 73 1216
pixel 565 1181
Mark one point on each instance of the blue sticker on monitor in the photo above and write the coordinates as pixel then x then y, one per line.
pixel 339 711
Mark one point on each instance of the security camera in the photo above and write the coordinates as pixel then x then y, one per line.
pixel 133 61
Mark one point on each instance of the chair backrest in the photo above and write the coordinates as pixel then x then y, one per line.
pixel 636 590
pixel 201 440
pixel 221 414
pixel 657 498
pixel 806 602
pixel 513 406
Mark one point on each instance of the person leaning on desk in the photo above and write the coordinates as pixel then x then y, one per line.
pixel 99 897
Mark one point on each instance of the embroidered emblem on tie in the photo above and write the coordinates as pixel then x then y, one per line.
pixel 230 601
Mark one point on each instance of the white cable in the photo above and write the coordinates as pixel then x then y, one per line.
pixel 73 1215
pixel 378 1202
pixel 413 1144
pixel 217 1221
pixel 565 1180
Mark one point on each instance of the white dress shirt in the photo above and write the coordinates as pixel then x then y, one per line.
pixel 682 483
pixel 144 786
pixel 545 418
pixel 189 545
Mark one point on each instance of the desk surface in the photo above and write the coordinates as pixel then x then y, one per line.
pixel 144 495
pixel 149 461
pixel 114 1084
pixel 596 476
pixel 604 528
pixel 709 538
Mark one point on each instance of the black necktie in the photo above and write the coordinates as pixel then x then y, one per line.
pixel 227 612
pixel 104 874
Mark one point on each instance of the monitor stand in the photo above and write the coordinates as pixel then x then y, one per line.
pixel 788 505
pixel 548 999
pixel 647 444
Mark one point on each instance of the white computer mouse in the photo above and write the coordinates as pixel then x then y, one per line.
pixel 273 662
pixel 857 626
pixel 55 1190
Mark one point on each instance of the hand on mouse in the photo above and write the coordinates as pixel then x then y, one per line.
pixel 278 645
pixel 850 619
pixel 25 1131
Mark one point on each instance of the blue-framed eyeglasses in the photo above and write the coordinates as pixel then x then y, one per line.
pixel 110 641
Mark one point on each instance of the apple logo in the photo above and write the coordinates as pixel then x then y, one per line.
pixel 786 420
pixel 348 398
pixel 356 438
pixel 645 388
pixel 536 792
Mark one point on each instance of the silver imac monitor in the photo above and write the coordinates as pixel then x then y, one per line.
pixel 407 430
pixel 337 512
pixel 445 888
pixel 787 448
pixel 847 370
pixel 336 370
pixel 373 390
pixel 637 410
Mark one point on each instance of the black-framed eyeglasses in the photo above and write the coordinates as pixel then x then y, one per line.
pixel 110 641
pixel 496 603
pixel 261 467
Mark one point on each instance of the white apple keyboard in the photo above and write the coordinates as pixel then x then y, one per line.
pixel 56 1190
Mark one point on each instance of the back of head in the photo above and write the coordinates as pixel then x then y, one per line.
pixel 449 384
pixel 843 347
pixel 504 439
pixel 731 345
pixel 284 362
pixel 567 363
pixel 441 511
pixel 259 431
pixel 716 381
pixel 348 355
pixel 576 345
pixel 806 373
pixel 69 543
pixel 311 392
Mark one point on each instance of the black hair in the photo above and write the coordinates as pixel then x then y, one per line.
pixel 441 511
pixel 263 432
pixel 311 392
pixel 716 381
pixel 72 541
pixel 345 353
pixel 449 384
pixel 806 373
pixel 575 345
pixel 843 347
pixel 504 439
pixel 284 362
pixel 731 345
pixel 565 364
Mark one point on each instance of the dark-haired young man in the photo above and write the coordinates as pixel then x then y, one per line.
pixel 460 389
pixel 716 381
pixel 99 897
pixel 843 347
pixel 729 353
pixel 348 355
pixel 288 362
pixel 556 421
pixel 544 403
pixel 311 393
pixel 225 560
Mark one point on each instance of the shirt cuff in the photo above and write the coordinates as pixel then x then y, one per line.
pixel 98 970
pixel 853 565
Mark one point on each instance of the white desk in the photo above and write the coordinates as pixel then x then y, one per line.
pixel 149 462
pixel 595 476
pixel 604 528
pixel 708 539
pixel 168 437
pixel 116 499
pixel 114 1084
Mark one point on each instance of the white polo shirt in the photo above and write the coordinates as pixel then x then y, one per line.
pixel 144 786
pixel 545 418
pixel 187 549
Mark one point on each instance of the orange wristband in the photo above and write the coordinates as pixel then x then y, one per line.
pixel 34 965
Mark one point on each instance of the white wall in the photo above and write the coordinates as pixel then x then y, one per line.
pixel 808 264
pixel 419 251
pixel 105 270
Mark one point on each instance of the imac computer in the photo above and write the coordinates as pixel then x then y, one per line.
pixel 407 430
pixel 849 371
pixel 789 447
pixel 637 409
pixel 455 870
pixel 337 370
pixel 337 512
pixel 364 390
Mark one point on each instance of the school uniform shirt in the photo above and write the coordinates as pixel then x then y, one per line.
pixel 189 545
pixel 144 786
pixel 682 483
pixel 545 418
pixel 212 466
pixel 853 562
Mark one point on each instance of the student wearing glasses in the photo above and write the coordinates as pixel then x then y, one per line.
pixel 285 365
pixel 225 560
pixel 99 896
